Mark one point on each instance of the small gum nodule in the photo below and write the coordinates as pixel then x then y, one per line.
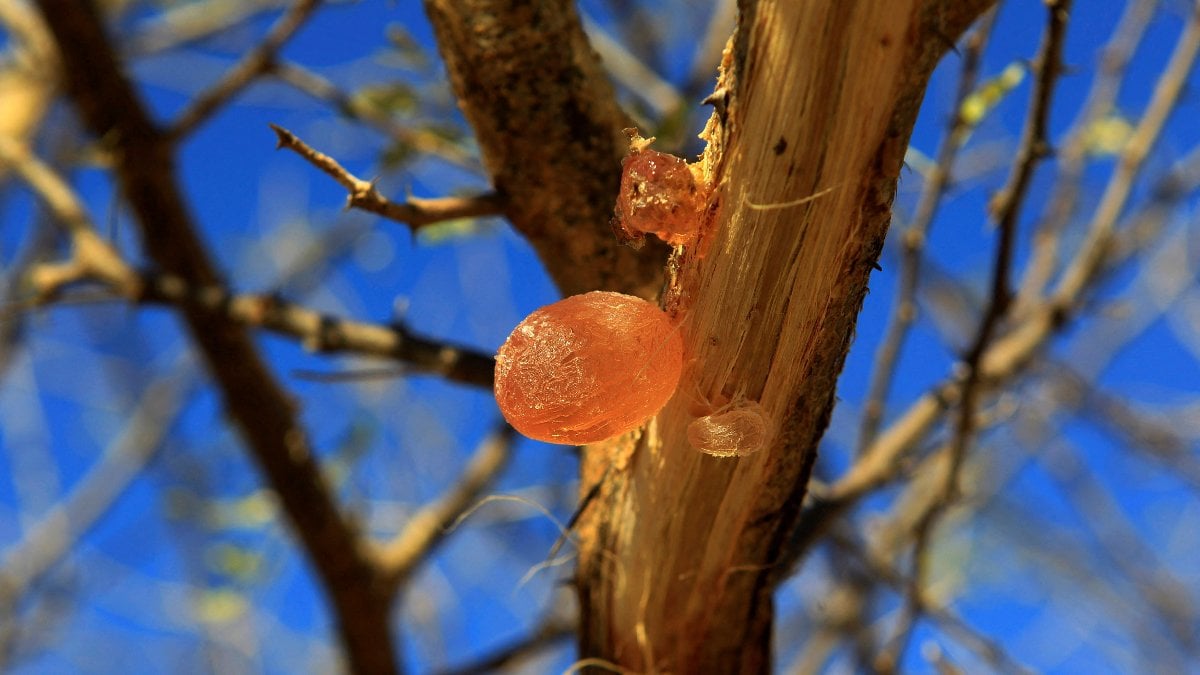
pixel 587 368
pixel 734 432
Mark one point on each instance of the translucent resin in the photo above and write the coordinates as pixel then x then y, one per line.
pixel 658 196
pixel 587 368
pixel 735 430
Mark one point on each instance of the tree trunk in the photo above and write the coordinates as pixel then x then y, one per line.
pixel 680 551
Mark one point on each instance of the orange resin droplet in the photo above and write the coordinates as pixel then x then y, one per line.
pixel 658 196
pixel 587 368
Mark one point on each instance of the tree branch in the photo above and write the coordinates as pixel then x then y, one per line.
pixel 91 256
pixel 320 88
pixel 682 551
pixel 93 259
pixel 549 129
pixel 414 212
pixel 252 66
pixel 1071 157
pixel 323 333
pixel 262 411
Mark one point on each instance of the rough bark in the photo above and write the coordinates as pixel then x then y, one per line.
pixel 682 551
pixel 262 411
pixel 549 129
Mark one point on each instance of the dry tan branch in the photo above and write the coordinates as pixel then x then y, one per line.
pixel 91 256
pixel 253 65
pixel 415 212
pixel 420 140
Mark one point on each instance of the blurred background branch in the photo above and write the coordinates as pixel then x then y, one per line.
pixel 1010 481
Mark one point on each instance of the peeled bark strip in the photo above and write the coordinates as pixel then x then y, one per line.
pixel 549 128
pixel 681 551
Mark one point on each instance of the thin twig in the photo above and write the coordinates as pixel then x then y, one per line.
pixel 882 464
pixel 1006 209
pixel 322 89
pixel 93 259
pixel 1114 61
pixel 879 465
pixel 1144 137
pixel 91 255
pixel 324 333
pixel 399 558
pixel 415 212
pixel 1035 146
pixel 914 238
pixel 1097 245
pixel 252 66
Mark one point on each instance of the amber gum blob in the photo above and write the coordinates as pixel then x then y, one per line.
pixel 658 196
pixel 587 368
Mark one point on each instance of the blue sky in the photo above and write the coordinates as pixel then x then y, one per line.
pixel 166 548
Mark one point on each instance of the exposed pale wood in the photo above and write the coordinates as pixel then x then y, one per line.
pixel 681 551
